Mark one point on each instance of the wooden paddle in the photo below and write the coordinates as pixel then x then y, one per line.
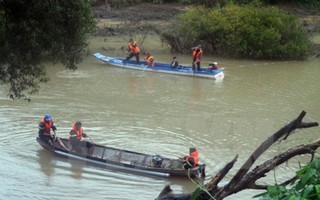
pixel 60 142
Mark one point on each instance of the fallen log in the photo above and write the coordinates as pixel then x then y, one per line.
pixel 245 179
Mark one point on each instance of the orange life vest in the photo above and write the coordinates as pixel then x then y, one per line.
pixel 150 60
pixel 195 156
pixel 196 55
pixel 47 125
pixel 78 132
pixel 133 47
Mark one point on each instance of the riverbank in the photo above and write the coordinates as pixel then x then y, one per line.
pixel 145 19
pixel 142 18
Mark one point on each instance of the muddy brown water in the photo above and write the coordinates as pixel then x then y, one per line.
pixel 156 114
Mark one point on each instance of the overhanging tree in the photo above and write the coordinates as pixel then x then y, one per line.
pixel 33 30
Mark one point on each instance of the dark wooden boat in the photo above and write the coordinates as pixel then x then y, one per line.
pixel 125 160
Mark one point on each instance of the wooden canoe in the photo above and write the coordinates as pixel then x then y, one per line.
pixel 128 161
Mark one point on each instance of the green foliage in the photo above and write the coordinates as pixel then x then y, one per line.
pixel 308 3
pixel 306 186
pixel 33 30
pixel 252 32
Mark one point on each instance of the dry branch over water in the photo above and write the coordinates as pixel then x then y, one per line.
pixel 245 179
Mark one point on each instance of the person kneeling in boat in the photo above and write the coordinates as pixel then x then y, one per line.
pixel 149 59
pixel 45 126
pixel 192 159
pixel 213 66
pixel 76 135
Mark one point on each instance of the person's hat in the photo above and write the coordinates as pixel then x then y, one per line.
pixel 192 149
pixel 130 40
pixel 174 57
pixel 47 117
pixel 199 46
pixel 215 63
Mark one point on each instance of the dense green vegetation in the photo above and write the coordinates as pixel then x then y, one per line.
pixel 32 30
pixel 247 31
pixel 309 3
pixel 306 186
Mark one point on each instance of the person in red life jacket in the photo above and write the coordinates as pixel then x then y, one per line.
pixel 213 66
pixel 192 159
pixel 196 55
pixel 149 59
pixel 76 135
pixel 133 50
pixel 45 126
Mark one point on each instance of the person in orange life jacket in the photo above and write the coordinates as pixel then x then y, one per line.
pixel 76 135
pixel 192 159
pixel 174 63
pixel 149 59
pixel 133 50
pixel 45 126
pixel 196 56
pixel 214 66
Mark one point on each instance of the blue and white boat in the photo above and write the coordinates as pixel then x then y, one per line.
pixel 161 67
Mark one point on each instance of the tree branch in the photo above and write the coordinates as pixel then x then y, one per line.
pixel 244 180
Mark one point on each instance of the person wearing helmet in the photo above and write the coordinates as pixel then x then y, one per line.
pixel 196 56
pixel 213 66
pixel 45 126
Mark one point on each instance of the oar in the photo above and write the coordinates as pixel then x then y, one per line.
pixel 60 142
pixel 90 139
pixel 145 67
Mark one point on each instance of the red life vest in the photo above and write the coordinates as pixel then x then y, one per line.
pixel 133 47
pixel 78 132
pixel 196 55
pixel 195 156
pixel 47 126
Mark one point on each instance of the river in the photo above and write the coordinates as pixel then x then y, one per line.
pixel 156 114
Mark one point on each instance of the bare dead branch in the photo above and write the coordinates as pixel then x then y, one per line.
pixel 213 184
pixel 244 180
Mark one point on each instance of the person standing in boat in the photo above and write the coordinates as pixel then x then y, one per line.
pixel 134 50
pixel 149 59
pixel 196 57
pixel 45 126
pixel 76 135
pixel 174 63
pixel 192 159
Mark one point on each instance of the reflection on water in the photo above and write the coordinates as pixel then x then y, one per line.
pixel 45 161
pixel 155 114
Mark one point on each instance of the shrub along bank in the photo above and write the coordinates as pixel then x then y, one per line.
pixel 246 31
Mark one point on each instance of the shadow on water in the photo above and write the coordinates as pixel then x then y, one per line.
pixel 49 163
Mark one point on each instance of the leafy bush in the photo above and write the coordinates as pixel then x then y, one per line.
pixel 252 32
pixel 306 186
